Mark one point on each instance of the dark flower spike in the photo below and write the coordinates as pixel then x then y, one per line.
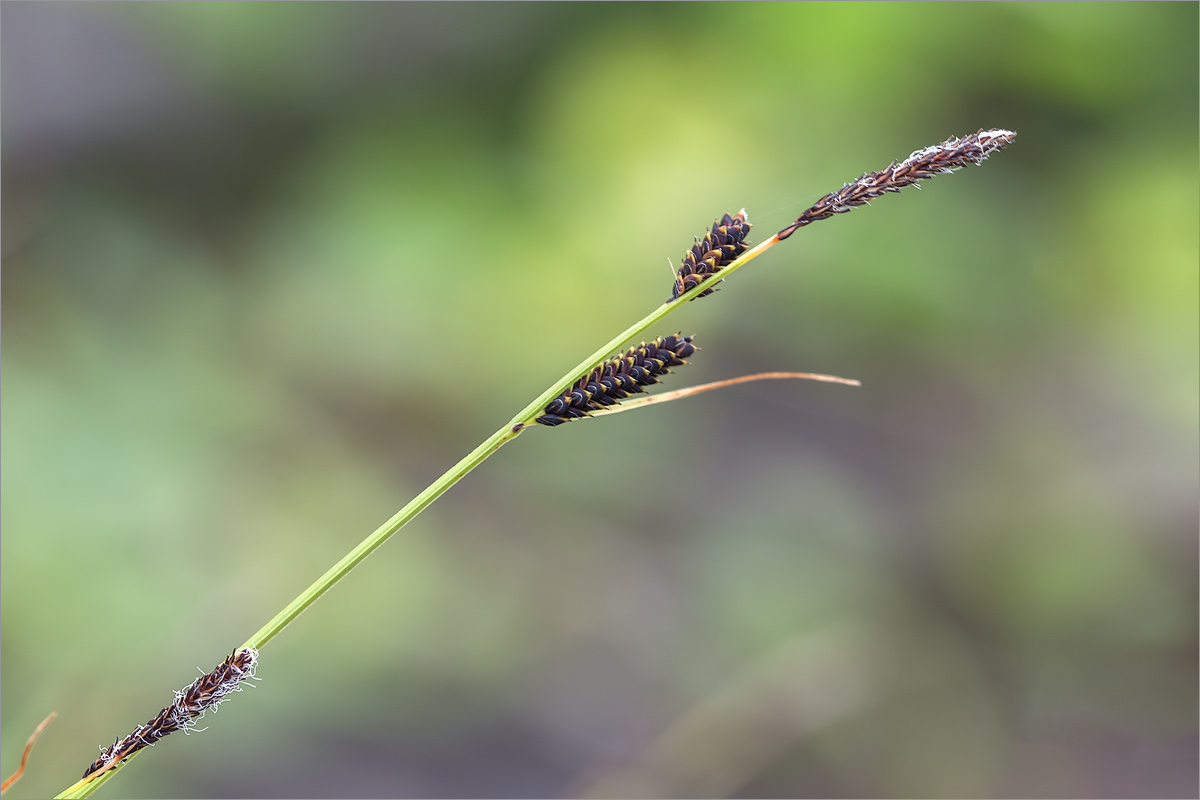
pixel 939 159
pixel 203 694
pixel 614 380
pixel 719 247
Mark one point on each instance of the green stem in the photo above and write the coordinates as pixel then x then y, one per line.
pixel 452 476
pixel 476 457
pixel 339 570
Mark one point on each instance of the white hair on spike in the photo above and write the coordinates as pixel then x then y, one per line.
pixel 190 705
pixel 939 159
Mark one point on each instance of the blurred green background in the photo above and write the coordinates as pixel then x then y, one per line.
pixel 269 269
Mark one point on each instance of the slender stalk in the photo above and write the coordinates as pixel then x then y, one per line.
pixel 938 159
pixel 339 570
pixel 510 431
pixel 477 456
pixel 689 391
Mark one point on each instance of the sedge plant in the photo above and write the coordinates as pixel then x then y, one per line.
pixel 600 384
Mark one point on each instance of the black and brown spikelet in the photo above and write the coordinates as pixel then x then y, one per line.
pixel 719 247
pixel 203 694
pixel 609 383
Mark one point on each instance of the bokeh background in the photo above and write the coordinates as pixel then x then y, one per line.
pixel 269 269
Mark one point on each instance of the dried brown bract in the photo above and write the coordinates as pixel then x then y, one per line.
pixel 204 693
pixel 719 247
pixel 949 156
pixel 619 377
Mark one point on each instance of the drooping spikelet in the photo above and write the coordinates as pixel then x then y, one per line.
pixel 204 693
pixel 939 159
pixel 619 377
pixel 720 246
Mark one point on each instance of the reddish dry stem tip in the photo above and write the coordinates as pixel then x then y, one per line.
pixel 16 776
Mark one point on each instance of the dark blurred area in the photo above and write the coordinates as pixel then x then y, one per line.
pixel 269 269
